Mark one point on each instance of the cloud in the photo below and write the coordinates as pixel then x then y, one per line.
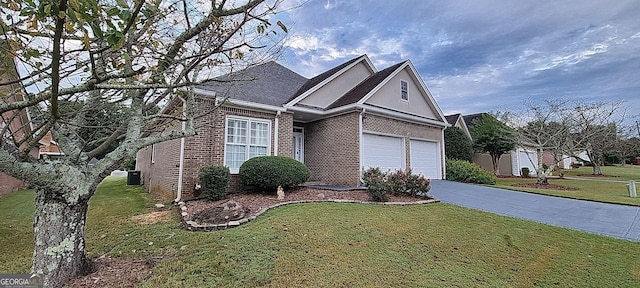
pixel 481 54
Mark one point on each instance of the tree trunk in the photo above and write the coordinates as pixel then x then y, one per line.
pixel 597 168
pixel 59 230
pixel 495 160
pixel 541 178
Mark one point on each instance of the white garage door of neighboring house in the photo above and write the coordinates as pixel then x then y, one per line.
pixel 425 159
pixel 519 159
pixel 386 152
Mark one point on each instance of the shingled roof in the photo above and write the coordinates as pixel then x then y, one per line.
pixel 358 92
pixel 452 118
pixel 269 83
pixel 468 119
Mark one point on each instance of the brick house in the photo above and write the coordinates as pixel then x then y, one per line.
pixel 337 123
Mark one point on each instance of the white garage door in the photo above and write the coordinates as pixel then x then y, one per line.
pixel 425 159
pixel 385 152
pixel 520 159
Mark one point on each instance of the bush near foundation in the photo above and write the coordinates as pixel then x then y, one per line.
pixel 214 181
pixel 266 173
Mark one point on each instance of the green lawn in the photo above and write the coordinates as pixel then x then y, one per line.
pixel 345 245
pixel 607 189
pixel 628 172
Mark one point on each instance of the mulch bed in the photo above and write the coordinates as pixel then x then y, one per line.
pixel 544 186
pixel 597 175
pixel 110 272
pixel 255 202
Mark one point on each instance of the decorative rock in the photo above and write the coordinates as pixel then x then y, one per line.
pixel 222 213
pixel 158 207
pixel 234 223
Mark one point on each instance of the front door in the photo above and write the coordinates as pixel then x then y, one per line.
pixel 298 144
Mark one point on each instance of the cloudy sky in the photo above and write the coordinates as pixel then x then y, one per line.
pixel 480 55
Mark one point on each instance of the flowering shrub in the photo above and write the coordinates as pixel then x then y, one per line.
pixel 397 183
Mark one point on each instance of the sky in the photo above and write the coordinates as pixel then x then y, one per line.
pixel 479 55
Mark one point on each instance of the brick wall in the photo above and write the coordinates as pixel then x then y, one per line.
pixel 408 130
pixel 159 172
pixel 207 148
pixel 332 149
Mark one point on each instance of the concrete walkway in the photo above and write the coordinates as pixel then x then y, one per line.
pixel 612 220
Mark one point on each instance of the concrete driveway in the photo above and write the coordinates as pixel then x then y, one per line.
pixel 613 220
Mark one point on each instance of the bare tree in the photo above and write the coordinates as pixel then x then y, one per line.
pixel 132 53
pixel 561 129
pixel 548 131
pixel 593 128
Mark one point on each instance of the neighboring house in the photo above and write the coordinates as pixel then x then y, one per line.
pixel 338 123
pixel 510 164
pixel 14 125
pixel 456 120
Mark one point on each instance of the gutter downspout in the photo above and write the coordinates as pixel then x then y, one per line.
pixel 276 127
pixel 181 168
pixel 443 156
pixel 360 128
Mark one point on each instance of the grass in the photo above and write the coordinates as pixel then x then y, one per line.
pixel 594 189
pixel 623 173
pixel 328 245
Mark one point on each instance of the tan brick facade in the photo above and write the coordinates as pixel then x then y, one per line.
pixel 205 148
pixel 331 147
pixel 332 151
pixel 407 130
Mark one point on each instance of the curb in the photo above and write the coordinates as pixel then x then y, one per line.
pixel 193 226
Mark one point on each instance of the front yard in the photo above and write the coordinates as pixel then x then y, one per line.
pixel 612 189
pixel 329 244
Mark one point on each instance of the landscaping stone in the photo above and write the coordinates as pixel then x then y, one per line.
pixel 223 213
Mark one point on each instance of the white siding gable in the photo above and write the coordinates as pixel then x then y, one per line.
pixel 339 86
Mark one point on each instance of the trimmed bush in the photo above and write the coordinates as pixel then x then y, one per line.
pixel 463 171
pixel 214 181
pixel 406 183
pixel 524 172
pixel 266 173
pixel 379 184
pixel 376 183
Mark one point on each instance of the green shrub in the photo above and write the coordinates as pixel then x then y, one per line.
pixel 214 181
pixel 266 173
pixel 380 184
pixel 376 183
pixel 524 172
pixel 406 183
pixel 462 171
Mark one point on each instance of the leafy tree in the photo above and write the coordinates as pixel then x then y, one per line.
pixel 96 72
pixel 492 136
pixel 457 144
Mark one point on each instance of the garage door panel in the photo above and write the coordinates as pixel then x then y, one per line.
pixel 386 152
pixel 425 159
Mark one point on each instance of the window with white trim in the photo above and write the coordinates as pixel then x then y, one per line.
pixel 245 139
pixel 404 90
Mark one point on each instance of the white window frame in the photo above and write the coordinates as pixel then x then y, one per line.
pixel 404 90
pixel 248 137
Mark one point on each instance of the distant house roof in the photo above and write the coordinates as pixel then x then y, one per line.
pixel 269 83
pixel 318 79
pixel 362 89
pixel 452 118
pixel 468 119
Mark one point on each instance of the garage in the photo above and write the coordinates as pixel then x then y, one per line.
pixel 425 159
pixel 386 152
pixel 523 158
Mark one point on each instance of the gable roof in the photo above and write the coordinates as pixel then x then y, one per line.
pixel 269 83
pixel 468 119
pixel 357 93
pixel 452 119
pixel 322 77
